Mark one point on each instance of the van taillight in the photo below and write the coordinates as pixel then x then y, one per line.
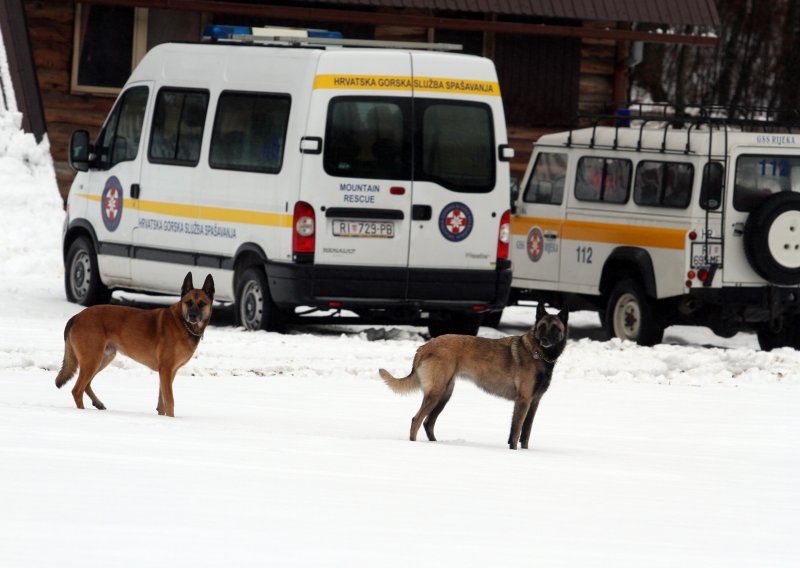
pixel 504 236
pixel 303 228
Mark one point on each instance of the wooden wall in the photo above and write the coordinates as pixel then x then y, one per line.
pixel 51 31
pixel 50 25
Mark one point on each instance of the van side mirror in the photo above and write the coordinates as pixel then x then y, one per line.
pixel 79 149
pixel 505 153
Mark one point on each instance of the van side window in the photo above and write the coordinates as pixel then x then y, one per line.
pixel 663 184
pixel 119 140
pixel 457 149
pixel 367 137
pixel 546 184
pixel 603 179
pixel 758 177
pixel 711 188
pixel 249 132
pixel 178 123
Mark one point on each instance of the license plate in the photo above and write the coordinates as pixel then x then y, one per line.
pixel 699 254
pixel 367 229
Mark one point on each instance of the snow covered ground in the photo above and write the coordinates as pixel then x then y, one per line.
pixel 288 450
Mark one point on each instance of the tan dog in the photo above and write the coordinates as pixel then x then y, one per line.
pixel 163 339
pixel 518 368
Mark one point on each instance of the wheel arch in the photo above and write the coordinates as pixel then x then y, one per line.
pixel 247 255
pixel 632 262
pixel 78 228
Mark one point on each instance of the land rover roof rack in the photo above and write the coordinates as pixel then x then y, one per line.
pixel 300 37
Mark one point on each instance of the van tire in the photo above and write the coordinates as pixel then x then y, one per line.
pixel 775 224
pixel 81 275
pixel 631 315
pixel 255 309
pixel 459 324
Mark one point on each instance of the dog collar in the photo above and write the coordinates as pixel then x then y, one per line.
pixel 190 330
pixel 537 355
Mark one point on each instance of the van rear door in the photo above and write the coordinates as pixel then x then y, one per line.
pixel 360 183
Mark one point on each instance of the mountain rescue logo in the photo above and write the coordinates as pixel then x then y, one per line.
pixel 455 222
pixel 111 204
pixel 535 244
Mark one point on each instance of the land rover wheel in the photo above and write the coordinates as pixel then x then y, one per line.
pixel 81 276
pixel 631 315
pixel 461 324
pixel 787 336
pixel 254 307
pixel 772 238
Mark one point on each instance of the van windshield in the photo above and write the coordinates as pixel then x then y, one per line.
pixel 446 142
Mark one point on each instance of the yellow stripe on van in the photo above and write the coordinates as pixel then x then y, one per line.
pixel 204 213
pixel 611 233
pixel 405 83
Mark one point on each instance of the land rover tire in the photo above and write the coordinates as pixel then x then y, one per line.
pixel 255 309
pixel 82 277
pixel 458 323
pixel 631 315
pixel 772 238
pixel 787 336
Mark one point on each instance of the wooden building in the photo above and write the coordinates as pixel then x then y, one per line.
pixel 554 58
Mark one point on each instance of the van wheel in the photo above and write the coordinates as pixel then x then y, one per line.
pixel 460 324
pixel 772 238
pixel 81 276
pixel 632 315
pixel 254 307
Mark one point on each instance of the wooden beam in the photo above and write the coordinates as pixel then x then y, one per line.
pixel 414 20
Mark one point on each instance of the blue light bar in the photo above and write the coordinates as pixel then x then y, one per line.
pixel 325 33
pixel 225 32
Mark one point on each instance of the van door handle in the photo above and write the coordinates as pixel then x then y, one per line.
pixel 135 190
pixel 551 235
pixel 421 212
pixel 738 229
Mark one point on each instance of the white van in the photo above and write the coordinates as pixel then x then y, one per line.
pixel 300 173
pixel 694 225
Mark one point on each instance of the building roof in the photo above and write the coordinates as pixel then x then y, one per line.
pixel 665 12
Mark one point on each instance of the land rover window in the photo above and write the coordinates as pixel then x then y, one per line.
pixel 663 184
pixel 457 145
pixel 249 132
pixel 119 140
pixel 546 184
pixel 367 137
pixel 603 179
pixel 178 123
pixel 711 187
pixel 759 176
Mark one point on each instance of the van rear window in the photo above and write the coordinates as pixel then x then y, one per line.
pixel 249 132
pixel 450 143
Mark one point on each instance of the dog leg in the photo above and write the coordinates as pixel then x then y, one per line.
pixel 87 372
pixel 528 424
pixel 521 406
pixel 166 376
pixel 108 356
pixel 430 421
pixel 429 401
pixel 96 402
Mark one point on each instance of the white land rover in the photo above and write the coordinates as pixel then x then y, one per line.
pixel 694 222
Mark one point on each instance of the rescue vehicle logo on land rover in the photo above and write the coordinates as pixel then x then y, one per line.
pixel 111 204
pixel 535 244
pixel 455 221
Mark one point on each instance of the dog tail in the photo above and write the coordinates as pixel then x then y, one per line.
pixel 70 364
pixel 401 386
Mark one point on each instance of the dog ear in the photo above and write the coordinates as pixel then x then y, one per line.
pixel 563 315
pixel 208 286
pixel 540 311
pixel 187 284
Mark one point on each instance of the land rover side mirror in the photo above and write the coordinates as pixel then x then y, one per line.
pixel 79 148
pixel 505 152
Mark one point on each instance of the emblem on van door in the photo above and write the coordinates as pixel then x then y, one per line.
pixel 535 244
pixel 455 221
pixel 111 204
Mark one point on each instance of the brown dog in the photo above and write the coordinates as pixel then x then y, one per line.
pixel 518 368
pixel 163 339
